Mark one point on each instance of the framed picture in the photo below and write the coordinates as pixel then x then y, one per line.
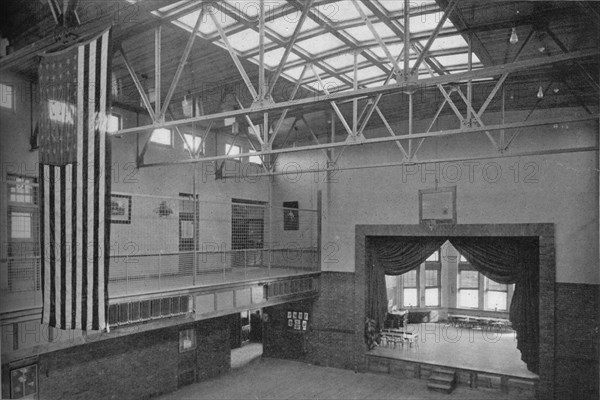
pixel 187 340
pixel 290 216
pixel 306 316
pixel 294 315
pixel 290 322
pixel 120 209
pixel 289 314
pixel 23 381
pixel 304 323
pixel 437 206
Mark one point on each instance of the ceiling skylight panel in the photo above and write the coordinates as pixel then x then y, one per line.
pixel 332 84
pixel 394 49
pixel 207 26
pixel 393 6
pixel 456 59
pixel 273 58
pixel 285 26
pixel 340 11
pixel 251 9
pixel 245 40
pixel 295 73
pixel 367 73
pixel 363 33
pixel 343 61
pixel 447 42
pixel 320 44
pixel 428 22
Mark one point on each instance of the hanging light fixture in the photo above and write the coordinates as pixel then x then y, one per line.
pixel 186 106
pixel 540 93
pixel 514 39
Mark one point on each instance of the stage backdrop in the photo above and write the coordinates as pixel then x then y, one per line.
pixel 74 156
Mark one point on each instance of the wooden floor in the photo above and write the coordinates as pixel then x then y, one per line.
pixel 481 350
pixel 280 379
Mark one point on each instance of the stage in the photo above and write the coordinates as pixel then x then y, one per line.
pixel 482 358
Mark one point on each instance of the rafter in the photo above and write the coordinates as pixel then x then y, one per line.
pixel 391 88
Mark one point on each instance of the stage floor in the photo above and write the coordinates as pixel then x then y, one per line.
pixel 481 350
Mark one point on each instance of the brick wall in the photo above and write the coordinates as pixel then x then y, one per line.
pixel 134 366
pixel 334 340
pixel 281 341
pixel 577 327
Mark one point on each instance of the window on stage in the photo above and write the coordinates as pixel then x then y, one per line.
pixel 496 295
pixel 434 257
pixel 468 287
pixel 432 284
pixel 410 292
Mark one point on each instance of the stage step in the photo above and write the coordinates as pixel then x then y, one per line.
pixel 442 380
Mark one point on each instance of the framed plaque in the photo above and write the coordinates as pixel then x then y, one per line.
pixel 437 206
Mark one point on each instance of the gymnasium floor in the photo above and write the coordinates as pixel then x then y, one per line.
pixel 481 350
pixel 269 378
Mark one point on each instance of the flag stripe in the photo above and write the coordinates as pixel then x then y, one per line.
pixel 80 174
pixel 52 245
pixel 101 168
pixel 84 203
pixel 46 241
pixel 91 180
pixel 60 209
pixel 68 173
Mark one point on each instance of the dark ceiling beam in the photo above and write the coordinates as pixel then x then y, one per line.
pixel 52 42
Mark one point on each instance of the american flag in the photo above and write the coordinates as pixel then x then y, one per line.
pixel 75 185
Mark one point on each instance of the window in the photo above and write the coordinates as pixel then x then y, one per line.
pixel 255 159
pixel 410 290
pixel 23 267
pixel 7 96
pixel 194 143
pixel 432 285
pixel 434 257
pixel 162 136
pixel 468 287
pixel 462 259
pixel 114 123
pixel 496 295
pixel 232 150
pixel 21 190
pixel 20 225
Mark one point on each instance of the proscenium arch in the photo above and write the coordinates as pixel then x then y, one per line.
pixel 547 278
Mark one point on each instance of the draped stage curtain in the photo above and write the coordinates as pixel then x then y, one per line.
pixel 392 256
pixel 505 260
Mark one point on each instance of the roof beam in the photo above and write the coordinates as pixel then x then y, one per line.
pixel 235 57
pixel 290 45
pixel 434 35
pixel 391 88
pixel 387 139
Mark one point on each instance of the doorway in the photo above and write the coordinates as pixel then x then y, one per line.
pixel 246 338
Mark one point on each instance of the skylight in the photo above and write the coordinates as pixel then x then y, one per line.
pixel 328 38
